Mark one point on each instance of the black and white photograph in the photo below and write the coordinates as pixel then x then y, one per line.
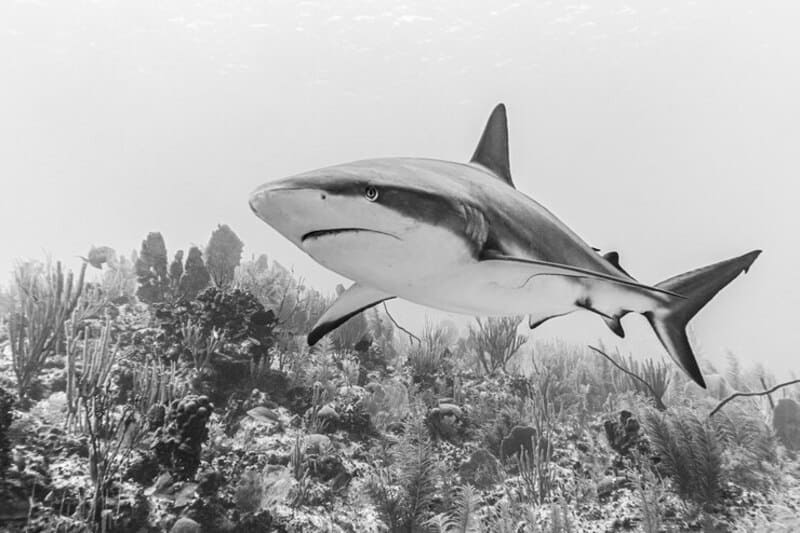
pixel 399 267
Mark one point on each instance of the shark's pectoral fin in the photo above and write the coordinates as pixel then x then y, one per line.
pixel 349 303
pixel 532 267
pixel 492 150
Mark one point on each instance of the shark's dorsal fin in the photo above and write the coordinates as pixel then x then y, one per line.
pixel 492 150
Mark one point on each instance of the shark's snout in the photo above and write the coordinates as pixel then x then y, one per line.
pixel 292 207
pixel 253 202
pixel 259 199
pixel 271 199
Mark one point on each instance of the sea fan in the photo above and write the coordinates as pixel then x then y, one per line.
pixel 690 452
pixel 462 519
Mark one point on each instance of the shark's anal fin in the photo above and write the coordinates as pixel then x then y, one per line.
pixel 492 150
pixel 349 303
pixel 613 258
pixel 614 325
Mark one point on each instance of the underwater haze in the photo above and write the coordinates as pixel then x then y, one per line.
pixel 665 130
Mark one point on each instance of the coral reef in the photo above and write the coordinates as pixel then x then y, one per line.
pixel 180 439
pixel 786 422
pixel 205 411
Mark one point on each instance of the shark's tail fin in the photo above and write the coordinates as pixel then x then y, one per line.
pixel 698 287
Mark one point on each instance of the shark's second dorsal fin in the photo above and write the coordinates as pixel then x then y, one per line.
pixel 492 150
pixel 613 258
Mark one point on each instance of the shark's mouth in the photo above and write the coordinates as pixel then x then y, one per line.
pixel 336 231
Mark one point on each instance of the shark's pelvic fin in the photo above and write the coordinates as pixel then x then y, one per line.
pixel 539 268
pixel 613 258
pixel 699 286
pixel 612 321
pixel 492 150
pixel 349 303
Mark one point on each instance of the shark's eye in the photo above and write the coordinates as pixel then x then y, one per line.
pixel 371 193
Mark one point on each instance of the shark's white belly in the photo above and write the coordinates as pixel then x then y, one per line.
pixel 436 269
pixel 497 288
pixel 475 290
pixel 432 267
pixel 393 263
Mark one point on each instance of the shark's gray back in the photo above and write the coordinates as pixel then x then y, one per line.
pixel 518 226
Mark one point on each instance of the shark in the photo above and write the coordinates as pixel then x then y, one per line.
pixel 460 237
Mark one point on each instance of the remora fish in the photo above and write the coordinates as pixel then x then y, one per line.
pixel 460 237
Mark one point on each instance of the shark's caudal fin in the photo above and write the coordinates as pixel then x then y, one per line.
pixel 698 287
